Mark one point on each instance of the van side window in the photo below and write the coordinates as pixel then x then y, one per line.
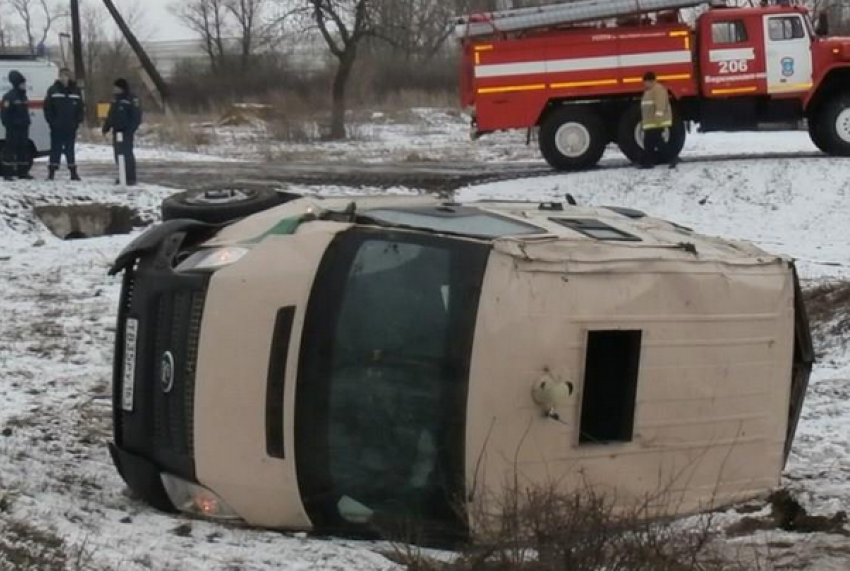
pixel 786 28
pixel 729 32
pixel 610 386
pixel 596 229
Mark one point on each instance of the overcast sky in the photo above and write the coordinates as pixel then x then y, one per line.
pixel 160 22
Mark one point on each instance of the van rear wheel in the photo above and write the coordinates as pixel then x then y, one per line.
pixel 831 131
pixel 573 138
pixel 630 135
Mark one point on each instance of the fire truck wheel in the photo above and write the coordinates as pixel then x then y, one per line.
pixel 572 138
pixel 816 136
pixel 832 127
pixel 630 135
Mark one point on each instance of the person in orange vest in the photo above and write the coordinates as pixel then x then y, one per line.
pixel 657 117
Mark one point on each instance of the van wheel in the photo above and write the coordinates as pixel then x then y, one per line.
pixel 831 129
pixel 573 138
pixel 221 206
pixel 630 135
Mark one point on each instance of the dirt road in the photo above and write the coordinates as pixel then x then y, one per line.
pixel 433 177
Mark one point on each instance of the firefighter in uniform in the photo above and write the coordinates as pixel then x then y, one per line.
pixel 16 119
pixel 657 115
pixel 125 117
pixel 64 111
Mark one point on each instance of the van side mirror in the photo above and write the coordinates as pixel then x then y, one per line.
pixel 822 25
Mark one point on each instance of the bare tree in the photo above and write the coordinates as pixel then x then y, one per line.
pixel 7 30
pixel 37 18
pixel 208 19
pixel 106 52
pixel 417 29
pixel 248 15
pixel 344 25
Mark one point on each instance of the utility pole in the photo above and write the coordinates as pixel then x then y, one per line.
pixel 79 62
pixel 77 39
pixel 147 64
pixel 152 76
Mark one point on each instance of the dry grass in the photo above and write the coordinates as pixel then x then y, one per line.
pixel 180 131
pixel 24 547
pixel 542 529
pixel 829 308
pixel 290 117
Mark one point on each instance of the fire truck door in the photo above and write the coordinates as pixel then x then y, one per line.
pixel 788 51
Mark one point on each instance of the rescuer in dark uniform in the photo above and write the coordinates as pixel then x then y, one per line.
pixel 64 111
pixel 16 119
pixel 125 117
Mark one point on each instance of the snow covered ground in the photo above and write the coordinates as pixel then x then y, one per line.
pixel 61 500
pixel 422 135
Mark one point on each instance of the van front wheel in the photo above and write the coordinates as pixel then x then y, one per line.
pixel 573 138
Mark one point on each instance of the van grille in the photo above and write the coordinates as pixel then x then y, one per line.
pixel 178 327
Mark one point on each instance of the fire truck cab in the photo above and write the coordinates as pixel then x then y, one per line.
pixel 574 72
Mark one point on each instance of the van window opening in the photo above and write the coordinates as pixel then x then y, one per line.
pixel 609 395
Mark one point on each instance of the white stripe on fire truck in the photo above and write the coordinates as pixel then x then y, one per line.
pixel 732 55
pixel 582 64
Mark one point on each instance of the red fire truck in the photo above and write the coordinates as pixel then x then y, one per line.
pixel 574 71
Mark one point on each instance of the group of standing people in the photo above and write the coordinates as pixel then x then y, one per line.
pixel 64 110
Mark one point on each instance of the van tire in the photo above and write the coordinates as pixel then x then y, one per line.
pixel 831 129
pixel 628 132
pixel 581 127
pixel 221 206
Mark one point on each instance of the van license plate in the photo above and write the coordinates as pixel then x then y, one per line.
pixel 128 384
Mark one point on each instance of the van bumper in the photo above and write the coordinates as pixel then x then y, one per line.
pixel 142 477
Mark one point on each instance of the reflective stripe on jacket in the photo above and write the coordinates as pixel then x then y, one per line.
pixel 63 107
pixel 655 108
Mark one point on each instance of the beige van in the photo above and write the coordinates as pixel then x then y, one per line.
pixel 328 363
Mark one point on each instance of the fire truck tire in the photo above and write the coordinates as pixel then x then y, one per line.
pixel 573 138
pixel 831 131
pixel 630 135
pixel 816 137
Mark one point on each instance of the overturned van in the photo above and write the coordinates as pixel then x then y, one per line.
pixel 329 363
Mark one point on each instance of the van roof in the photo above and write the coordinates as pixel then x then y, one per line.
pixel 556 230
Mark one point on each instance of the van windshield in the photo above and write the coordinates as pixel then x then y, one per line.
pixel 462 220
pixel 381 398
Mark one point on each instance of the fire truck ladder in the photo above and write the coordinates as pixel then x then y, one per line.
pixel 505 21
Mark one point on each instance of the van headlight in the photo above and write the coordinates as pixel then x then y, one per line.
pixel 197 500
pixel 212 259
